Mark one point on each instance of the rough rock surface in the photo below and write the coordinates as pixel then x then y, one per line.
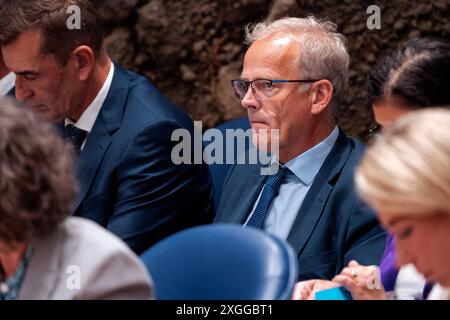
pixel 190 49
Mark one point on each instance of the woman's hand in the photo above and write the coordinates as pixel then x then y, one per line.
pixel 363 282
pixel 306 290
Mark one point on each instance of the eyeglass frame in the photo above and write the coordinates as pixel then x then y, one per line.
pixel 374 131
pixel 250 84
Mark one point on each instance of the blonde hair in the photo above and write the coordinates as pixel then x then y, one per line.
pixel 323 53
pixel 407 169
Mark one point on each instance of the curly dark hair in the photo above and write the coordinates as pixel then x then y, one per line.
pixel 37 184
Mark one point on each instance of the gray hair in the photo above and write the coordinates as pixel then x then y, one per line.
pixel 37 182
pixel 323 54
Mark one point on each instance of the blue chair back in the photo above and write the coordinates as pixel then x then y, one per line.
pixel 222 262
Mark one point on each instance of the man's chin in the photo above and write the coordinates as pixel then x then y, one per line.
pixel 262 142
pixel 264 137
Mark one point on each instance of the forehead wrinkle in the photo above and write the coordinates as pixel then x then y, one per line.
pixel 25 51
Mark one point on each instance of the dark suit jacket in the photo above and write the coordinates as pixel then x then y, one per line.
pixel 332 227
pixel 127 180
pixel 12 92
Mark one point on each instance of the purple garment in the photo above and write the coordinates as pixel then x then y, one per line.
pixel 388 268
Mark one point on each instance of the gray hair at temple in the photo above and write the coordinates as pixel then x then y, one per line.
pixel 323 53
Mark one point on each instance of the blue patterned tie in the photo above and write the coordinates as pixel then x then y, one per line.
pixel 427 289
pixel 75 135
pixel 270 191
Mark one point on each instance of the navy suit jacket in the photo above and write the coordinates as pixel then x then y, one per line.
pixel 127 180
pixel 12 92
pixel 333 225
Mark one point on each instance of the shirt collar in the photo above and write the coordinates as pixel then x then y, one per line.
pixel 7 83
pixel 306 165
pixel 87 119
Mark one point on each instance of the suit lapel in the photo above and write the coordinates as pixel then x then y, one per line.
pixel 90 159
pixel 316 198
pixel 254 184
pixel 99 139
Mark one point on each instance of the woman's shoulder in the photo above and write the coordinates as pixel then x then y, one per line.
pixel 82 235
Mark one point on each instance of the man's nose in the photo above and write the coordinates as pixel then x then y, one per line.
pixel 22 91
pixel 250 100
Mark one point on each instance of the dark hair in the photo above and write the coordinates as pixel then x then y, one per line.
pixel 50 18
pixel 418 72
pixel 37 184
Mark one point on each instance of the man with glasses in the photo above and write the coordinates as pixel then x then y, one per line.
pixel 293 80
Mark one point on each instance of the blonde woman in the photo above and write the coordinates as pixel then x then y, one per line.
pixel 405 176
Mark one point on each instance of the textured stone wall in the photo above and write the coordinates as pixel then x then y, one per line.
pixel 191 49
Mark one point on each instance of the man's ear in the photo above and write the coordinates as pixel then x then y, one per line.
pixel 84 59
pixel 321 95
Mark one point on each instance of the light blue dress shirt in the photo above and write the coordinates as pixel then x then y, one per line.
pixel 295 186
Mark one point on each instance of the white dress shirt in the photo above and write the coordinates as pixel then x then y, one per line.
pixel 439 293
pixel 295 185
pixel 7 83
pixel 409 283
pixel 87 119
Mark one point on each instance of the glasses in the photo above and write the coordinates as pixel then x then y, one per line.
pixel 374 131
pixel 261 88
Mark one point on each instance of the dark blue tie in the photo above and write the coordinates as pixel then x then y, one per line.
pixel 427 289
pixel 75 135
pixel 270 191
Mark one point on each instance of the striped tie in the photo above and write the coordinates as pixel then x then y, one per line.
pixel 270 191
pixel 75 135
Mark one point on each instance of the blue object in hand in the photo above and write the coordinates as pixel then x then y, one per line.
pixel 339 293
